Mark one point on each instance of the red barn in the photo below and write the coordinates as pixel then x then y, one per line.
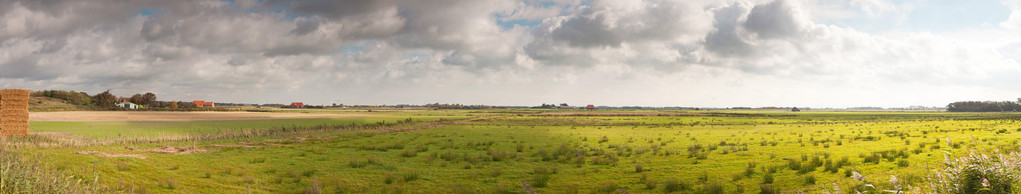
pixel 590 107
pixel 298 105
pixel 200 103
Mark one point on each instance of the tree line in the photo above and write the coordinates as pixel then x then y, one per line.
pixel 106 100
pixel 984 106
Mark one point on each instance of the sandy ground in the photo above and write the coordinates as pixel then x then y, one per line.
pixel 176 116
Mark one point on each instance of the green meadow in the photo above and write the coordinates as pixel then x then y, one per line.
pixel 512 151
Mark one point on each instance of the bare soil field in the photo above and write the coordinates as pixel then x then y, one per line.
pixel 176 116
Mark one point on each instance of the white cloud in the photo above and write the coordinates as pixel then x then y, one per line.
pixel 665 52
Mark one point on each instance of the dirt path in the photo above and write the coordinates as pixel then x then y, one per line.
pixel 178 116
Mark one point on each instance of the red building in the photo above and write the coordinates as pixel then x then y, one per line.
pixel 298 105
pixel 200 103
pixel 590 107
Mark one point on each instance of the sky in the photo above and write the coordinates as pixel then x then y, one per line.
pixel 691 53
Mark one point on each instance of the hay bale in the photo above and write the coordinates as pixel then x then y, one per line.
pixel 14 112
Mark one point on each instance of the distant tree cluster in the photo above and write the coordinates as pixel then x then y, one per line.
pixel 148 99
pixel 984 106
pixel 552 105
pixel 107 100
pixel 454 106
pixel 71 97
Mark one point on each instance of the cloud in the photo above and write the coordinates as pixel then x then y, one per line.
pixel 1014 20
pixel 395 51
pixel 778 19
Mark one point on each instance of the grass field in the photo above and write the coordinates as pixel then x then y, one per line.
pixel 553 151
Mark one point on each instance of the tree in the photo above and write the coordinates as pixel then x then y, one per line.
pixel 173 105
pixel 137 99
pixel 104 100
pixel 149 98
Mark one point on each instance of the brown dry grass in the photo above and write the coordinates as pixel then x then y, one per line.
pixel 111 155
pixel 177 116
pixel 171 150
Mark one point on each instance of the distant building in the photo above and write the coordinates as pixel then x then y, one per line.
pixel 127 105
pixel 590 107
pixel 297 105
pixel 200 104
pixel 795 109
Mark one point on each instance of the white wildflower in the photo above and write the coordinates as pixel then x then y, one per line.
pixel 894 181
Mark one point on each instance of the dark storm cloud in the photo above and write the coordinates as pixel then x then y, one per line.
pixel 335 9
pixel 305 27
pixel 586 32
pixel 776 19
pixel 726 39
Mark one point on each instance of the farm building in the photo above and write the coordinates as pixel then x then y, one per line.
pixel 199 103
pixel 127 105
pixel 590 107
pixel 297 105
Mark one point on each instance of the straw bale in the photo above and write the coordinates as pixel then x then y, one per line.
pixel 15 106
pixel 14 112
pixel 15 91
pixel 14 116
pixel 14 99
pixel 12 120
pixel 12 103
pixel 11 97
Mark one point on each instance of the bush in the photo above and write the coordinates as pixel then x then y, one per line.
pixel 767 189
pixel 674 185
pixel 767 178
pixel 979 172
pixel 540 180
pixel 389 178
pixel 809 180
pixel 711 188
pixel 903 163
pixel 410 176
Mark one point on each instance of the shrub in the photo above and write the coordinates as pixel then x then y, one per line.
pixel 711 188
pixel 257 160
pixel 389 178
pixel 357 164
pixel 540 180
pixel 809 180
pixel 168 184
pixel 410 176
pixel 767 178
pixel 979 172
pixel 902 163
pixel 308 172
pixel 608 187
pixel 767 189
pixel 408 153
pixel 649 184
pixel 674 185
